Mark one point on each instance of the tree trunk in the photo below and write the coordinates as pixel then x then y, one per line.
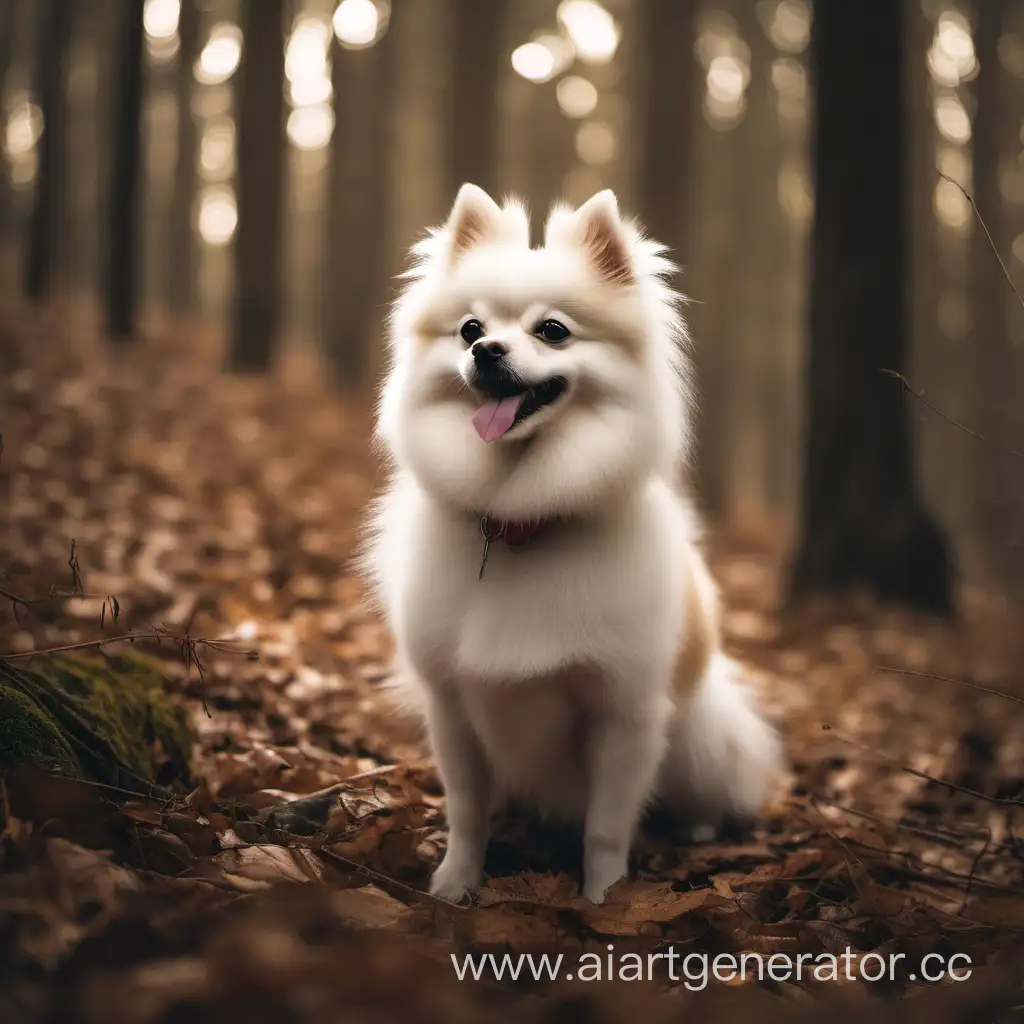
pixel 551 153
pixel 933 353
pixel 758 397
pixel 357 204
pixel 994 517
pixel 50 192
pixel 261 155
pixel 123 204
pixel 669 96
pixel 863 521
pixel 477 65
pixel 8 25
pixel 181 236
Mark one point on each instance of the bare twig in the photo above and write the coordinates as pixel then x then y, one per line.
pixel 1009 280
pixel 832 835
pixel 157 794
pixel 984 227
pixel 974 870
pixel 952 878
pixel 372 773
pixel 904 826
pixel 1001 801
pixel 76 593
pixel 188 645
pixel 157 635
pixel 420 895
pixel 908 387
pixel 18 602
pixel 77 584
pixel 951 679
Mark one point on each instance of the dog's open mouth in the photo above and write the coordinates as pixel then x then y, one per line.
pixel 497 416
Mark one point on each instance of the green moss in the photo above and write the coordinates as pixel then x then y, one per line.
pixel 29 734
pixel 112 713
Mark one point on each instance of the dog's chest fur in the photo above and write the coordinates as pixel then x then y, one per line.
pixel 579 593
pixel 543 642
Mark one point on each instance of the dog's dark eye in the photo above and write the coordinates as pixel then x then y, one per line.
pixel 552 331
pixel 471 331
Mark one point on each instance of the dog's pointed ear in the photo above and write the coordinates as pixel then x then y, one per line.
pixel 475 218
pixel 602 234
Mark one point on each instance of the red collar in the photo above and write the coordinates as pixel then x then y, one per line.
pixel 514 534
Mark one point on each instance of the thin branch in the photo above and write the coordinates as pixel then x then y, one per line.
pixel 952 877
pixel 911 865
pixel 1001 801
pixel 76 593
pixel 158 794
pixel 974 870
pixel 1009 280
pixel 419 894
pixel 832 835
pixel 904 826
pixel 951 679
pixel 984 227
pixel 109 601
pixel 158 635
pixel 77 583
pixel 188 645
pixel 908 387
pixel 912 868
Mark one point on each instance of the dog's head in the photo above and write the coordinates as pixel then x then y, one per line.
pixel 535 381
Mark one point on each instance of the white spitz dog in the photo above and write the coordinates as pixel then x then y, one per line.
pixel 535 553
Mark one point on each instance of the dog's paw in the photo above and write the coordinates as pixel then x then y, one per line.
pixel 601 873
pixel 454 882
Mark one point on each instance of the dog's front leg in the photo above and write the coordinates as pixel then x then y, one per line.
pixel 466 778
pixel 625 748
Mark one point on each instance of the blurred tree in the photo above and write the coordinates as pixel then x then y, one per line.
pixel 357 203
pixel 181 235
pixel 54 30
pixel 261 156
pixel 934 354
pixel 478 61
pixel 863 520
pixel 994 516
pixel 6 38
pixel 123 200
pixel 7 28
pixel 550 151
pixel 669 97
pixel 758 391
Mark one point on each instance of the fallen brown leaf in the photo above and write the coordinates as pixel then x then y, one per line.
pixel 369 907
pixel 250 868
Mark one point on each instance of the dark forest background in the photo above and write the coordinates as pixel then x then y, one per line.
pixel 203 208
pixel 257 171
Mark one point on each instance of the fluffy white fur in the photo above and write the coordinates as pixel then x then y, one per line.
pixel 583 673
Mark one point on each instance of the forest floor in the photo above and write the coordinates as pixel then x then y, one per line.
pixel 228 510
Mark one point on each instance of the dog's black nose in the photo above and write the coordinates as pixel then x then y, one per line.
pixel 487 353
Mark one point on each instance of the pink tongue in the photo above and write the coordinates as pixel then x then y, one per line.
pixel 493 419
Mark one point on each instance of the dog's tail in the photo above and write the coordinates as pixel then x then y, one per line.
pixel 724 760
pixel 405 693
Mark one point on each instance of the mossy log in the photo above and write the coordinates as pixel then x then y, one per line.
pixel 106 718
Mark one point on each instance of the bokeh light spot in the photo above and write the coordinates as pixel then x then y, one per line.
pixel 576 96
pixel 218 215
pixel 533 61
